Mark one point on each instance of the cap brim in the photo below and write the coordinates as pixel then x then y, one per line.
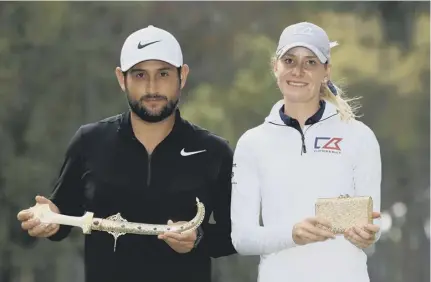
pixel 313 49
pixel 129 65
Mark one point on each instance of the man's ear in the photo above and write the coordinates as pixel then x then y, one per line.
pixel 121 78
pixel 184 74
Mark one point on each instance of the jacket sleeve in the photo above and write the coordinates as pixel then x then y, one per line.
pixel 68 190
pixel 217 237
pixel 367 173
pixel 249 238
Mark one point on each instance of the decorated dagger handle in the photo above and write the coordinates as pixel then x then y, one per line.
pixel 45 215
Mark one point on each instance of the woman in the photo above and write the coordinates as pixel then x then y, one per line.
pixel 310 146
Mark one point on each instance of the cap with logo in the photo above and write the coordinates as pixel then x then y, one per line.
pixel 150 43
pixel 306 35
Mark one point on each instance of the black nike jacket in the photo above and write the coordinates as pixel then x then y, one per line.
pixel 108 171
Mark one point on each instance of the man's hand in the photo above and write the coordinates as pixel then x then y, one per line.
pixel 33 225
pixel 310 231
pixel 181 243
pixel 363 236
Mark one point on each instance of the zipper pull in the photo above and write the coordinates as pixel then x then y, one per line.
pixel 304 149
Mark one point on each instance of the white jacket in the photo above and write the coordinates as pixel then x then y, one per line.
pixel 274 179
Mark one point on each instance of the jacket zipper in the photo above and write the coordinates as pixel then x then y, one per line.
pixel 149 171
pixel 304 148
pixel 149 162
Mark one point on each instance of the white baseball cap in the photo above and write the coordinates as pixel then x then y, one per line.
pixel 150 43
pixel 306 35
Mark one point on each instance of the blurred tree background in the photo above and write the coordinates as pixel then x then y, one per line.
pixel 57 62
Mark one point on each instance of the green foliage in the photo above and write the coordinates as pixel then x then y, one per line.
pixel 241 105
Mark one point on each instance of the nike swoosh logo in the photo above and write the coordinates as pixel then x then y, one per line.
pixel 185 154
pixel 140 46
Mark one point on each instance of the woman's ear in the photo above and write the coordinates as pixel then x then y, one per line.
pixel 275 67
pixel 328 71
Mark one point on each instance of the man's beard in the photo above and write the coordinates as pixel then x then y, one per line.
pixel 147 115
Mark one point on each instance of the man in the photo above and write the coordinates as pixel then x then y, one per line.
pixel 149 164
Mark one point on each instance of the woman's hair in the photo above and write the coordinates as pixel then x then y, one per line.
pixel 346 107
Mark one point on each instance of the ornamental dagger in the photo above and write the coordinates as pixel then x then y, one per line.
pixel 115 224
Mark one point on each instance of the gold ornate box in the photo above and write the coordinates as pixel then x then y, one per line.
pixel 344 212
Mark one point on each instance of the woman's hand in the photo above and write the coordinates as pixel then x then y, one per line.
pixel 312 230
pixel 363 236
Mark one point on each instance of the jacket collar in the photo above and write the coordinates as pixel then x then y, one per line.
pixel 289 121
pixel 275 117
pixel 125 125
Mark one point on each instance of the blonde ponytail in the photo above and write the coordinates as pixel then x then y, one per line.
pixel 346 107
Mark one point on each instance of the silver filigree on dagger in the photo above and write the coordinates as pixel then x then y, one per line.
pixel 115 232
pixel 115 224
